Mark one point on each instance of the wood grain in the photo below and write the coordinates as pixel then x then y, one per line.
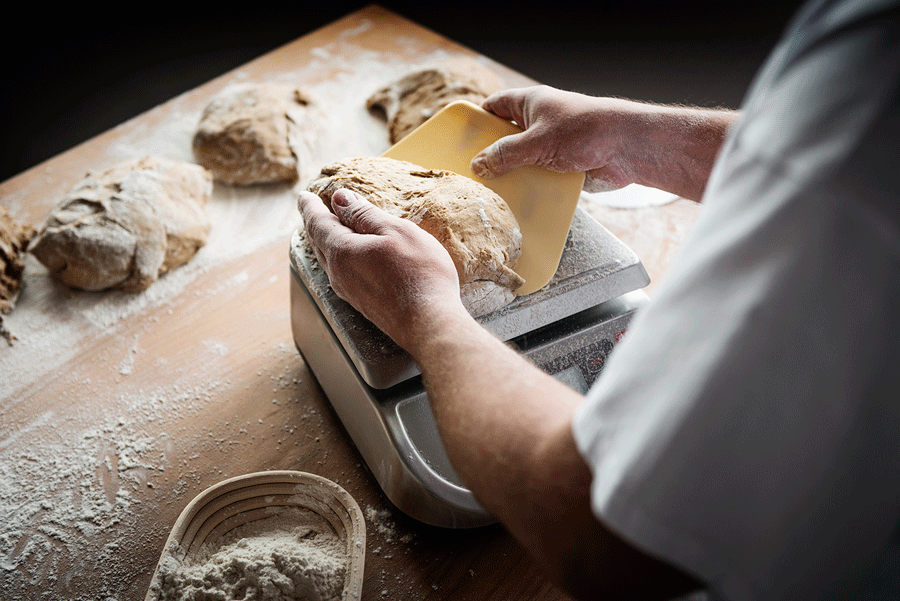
pixel 118 409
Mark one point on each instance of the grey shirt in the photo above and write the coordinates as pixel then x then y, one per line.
pixel 747 428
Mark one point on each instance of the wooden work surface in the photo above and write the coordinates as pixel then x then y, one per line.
pixel 117 409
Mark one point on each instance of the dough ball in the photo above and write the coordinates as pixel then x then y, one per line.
pixel 255 134
pixel 14 239
pixel 125 227
pixel 471 221
pixel 411 100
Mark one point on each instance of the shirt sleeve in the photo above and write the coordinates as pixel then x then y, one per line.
pixel 746 427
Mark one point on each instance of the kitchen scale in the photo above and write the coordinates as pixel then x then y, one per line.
pixel 567 328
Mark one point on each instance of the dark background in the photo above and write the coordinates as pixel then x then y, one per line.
pixel 74 72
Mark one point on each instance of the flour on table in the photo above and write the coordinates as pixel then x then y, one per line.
pixel 84 488
pixel 471 221
pixel 124 227
pixel 292 555
pixel 412 99
pixel 256 134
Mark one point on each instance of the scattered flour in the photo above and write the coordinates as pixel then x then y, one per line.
pixel 383 522
pixel 73 493
pixel 80 487
pixel 294 555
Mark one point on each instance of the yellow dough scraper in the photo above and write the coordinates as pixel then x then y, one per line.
pixel 543 201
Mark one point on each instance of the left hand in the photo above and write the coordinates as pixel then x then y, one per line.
pixel 392 271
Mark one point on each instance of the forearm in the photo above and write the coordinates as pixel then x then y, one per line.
pixel 498 416
pixel 493 407
pixel 506 426
pixel 674 148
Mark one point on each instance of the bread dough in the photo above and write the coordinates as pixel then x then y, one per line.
pixel 14 239
pixel 471 221
pixel 255 134
pixel 126 226
pixel 414 98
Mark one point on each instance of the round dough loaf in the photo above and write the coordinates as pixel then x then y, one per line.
pixel 255 134
pixel 470 220
pixel 411 100
pixel 126 226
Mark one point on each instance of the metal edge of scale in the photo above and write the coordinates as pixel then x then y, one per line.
pixel 394 429
pixel 595 267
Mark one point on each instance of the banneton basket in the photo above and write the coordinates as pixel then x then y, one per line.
pixel 236 501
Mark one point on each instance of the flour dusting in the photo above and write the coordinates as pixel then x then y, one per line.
pixel 85 479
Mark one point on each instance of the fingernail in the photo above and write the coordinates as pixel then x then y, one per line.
pixel 341 198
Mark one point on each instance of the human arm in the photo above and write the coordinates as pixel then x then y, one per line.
pixel 615 142
pixel 506 425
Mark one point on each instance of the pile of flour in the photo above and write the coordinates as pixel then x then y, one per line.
pixel 293 555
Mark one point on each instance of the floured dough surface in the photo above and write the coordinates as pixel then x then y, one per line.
pixel 471 221
pixel 14 239
pixel 256 134
pixel 124 227
pixel 415 97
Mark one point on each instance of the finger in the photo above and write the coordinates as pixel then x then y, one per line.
pixel 359 214
pixel 506 154
pixel 321 224
pixel 311 206
pixel 507 104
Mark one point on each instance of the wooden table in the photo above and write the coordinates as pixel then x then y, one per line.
pixel 117 409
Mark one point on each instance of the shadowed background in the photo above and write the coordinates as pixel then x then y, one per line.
pixel 74 72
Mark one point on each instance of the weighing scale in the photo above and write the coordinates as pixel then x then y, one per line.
pixel 567 328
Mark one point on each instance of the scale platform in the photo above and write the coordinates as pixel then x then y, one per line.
pixel 567 328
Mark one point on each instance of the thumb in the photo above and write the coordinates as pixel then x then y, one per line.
pixel 357 213
pixel 508 153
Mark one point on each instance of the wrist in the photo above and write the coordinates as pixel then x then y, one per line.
pixel 619 135
pixel 433 325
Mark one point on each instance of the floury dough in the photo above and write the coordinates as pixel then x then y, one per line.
pixel 471 221
pixel 414 98
pixel 124 227
pixel 14 239
pixel 256 134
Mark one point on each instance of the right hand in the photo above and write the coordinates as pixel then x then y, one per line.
pixel 614 142
pixel 564 132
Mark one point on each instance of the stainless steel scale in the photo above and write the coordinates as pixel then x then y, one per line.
pixel 567 328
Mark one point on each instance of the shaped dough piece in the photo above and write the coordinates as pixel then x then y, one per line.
pixel 411 100
pixel 255 134
pixel 470 220
pixel 126 226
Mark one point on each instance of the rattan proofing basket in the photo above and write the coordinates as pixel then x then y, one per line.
pixel 242 499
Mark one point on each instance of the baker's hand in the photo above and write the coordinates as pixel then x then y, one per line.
pixel 392 271
pixel 564 132
pixel 615 142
